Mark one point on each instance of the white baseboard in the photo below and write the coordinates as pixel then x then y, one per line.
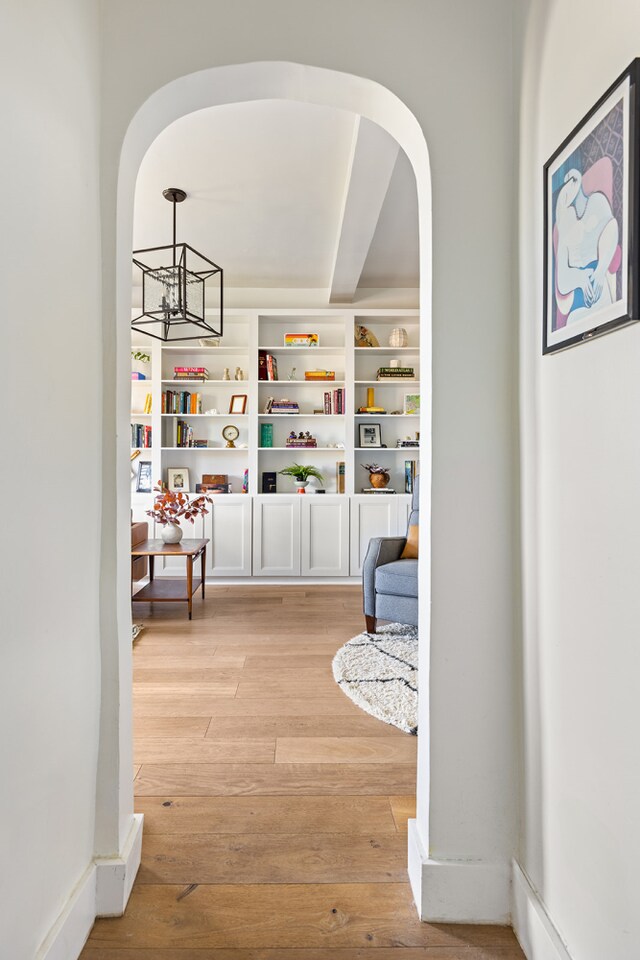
pixel 532 925
pixel 115 875
pixel 457 891
pixel 69 933
pixel 103 891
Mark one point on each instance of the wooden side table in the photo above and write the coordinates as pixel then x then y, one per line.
pixel 167 590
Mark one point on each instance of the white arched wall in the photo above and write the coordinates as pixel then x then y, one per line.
pixel 214 87
pixel 458 85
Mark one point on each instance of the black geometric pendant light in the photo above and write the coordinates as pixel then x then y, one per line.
pixel 182 296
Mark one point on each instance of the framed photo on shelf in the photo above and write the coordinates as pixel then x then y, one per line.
pixel 301 340
pixel 178 479
pixel 238 403
pixel 591 221
pixel 370 434
pixel 144 483
pixel 412 404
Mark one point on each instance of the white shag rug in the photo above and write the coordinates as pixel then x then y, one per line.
pixel 379 672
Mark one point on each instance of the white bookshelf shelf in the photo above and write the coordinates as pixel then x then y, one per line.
pixel 203 383
pixel 415 350
pixel 208 449
pixel 303 416
pixel 306 351
pixel 211 416
pixel 378 450
pixel 388 383
pixel 294 383
pixel 297 450
pixel 388 416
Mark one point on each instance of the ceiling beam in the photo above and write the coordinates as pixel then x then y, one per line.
pixel 373 157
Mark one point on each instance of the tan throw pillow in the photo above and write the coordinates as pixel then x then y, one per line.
pixel 410 551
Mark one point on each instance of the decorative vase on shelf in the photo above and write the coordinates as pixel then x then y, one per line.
pixel 301 486
pixel 379 480
pixel 398 337
pixel 172 533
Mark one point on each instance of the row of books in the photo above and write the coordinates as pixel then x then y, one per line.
pixel 407 443
pixel 334 401
pixel 395 373
pixel 181 401
pixel 182 435
pixel 190 373
pixel 274 405
pixel 267 366
pixel 140 435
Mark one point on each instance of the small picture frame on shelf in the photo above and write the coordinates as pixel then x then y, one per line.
pixel 370 434
pixel 238 403
pixel 301 340
pixel 144 482
pixel 412 404
pixel 178 479
pixel 269 480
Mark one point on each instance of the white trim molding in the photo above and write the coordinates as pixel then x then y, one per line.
pixel 532 925
pixel 115 875
pixel 69 933
pixel 103 891
pixel 457 891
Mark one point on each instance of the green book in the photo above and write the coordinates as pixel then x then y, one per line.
pixel 266 434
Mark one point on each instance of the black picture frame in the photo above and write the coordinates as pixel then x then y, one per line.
pixel 370 435
pixel 592 178
pixel 144 480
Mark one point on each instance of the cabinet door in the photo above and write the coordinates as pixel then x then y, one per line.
pixel 324 540
pixel 372 515
pixel 276 536
pixel 228 527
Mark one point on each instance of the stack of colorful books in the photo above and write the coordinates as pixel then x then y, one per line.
pixel 190 373
pixel 303 440
pixel 319 375
pixel 281 406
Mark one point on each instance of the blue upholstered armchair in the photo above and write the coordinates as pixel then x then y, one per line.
pixel 390 584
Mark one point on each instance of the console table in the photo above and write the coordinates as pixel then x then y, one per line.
pixel 171 591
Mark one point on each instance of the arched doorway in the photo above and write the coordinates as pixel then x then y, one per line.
pixel 115 826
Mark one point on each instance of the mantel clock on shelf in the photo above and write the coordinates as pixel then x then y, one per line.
pixel 230 434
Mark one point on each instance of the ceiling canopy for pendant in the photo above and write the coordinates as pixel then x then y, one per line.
pixel 182 296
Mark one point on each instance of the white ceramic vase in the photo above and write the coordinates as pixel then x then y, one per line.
pixel 398 337
pixel 172 533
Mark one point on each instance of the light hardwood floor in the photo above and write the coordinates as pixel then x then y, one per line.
pixel 275 810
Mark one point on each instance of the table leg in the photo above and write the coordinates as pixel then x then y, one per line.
pixel 151 561
pixel 190 583
pixel 203 561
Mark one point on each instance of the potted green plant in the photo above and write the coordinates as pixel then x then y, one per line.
pixel 169 508
pixel 301 474
pixel 378 476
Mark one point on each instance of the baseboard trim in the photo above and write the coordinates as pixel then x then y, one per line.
pixel 115 875
pixel 532 925
pixel 69 933
pixel 103 891
pixel 457 891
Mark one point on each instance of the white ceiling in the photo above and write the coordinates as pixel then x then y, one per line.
pixel 267 185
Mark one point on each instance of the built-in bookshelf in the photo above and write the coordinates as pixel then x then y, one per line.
pixel 186 417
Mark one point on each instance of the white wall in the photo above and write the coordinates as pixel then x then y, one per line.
pixel 449 61
pixel 51 389
pixel 581 526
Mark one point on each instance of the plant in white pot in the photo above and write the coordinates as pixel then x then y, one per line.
pixel 169 508
pixel 301 474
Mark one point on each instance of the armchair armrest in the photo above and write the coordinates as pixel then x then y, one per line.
pixel 381 550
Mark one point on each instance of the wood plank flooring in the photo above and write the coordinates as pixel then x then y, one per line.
pixel 275 810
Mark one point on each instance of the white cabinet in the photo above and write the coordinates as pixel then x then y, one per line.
pixel 228 527
pixel 374 515
pixel 324 542
pixel 276 535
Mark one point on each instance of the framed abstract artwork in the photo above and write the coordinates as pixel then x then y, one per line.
pixel 591 221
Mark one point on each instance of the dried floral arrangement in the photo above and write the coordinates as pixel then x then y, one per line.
pixel 171 507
